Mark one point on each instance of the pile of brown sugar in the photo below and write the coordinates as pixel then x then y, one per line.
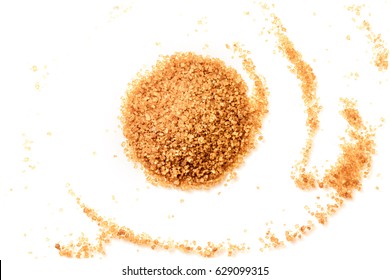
pixel 189 121
pixel 171 102
pixel 181 82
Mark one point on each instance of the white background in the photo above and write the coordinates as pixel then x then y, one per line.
pixel 86 52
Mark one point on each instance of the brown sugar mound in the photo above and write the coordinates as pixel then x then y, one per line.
pixel 189 121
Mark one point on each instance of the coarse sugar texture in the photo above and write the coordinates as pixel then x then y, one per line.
pixel 189 121
pixel 354 162
pixel 380 52
pixel 308 82
pixel 343 178
pixel 109 230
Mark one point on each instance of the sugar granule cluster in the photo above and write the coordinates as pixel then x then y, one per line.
pixel 189 121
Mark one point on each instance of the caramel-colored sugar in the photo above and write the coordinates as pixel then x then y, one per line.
pixel 189 121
